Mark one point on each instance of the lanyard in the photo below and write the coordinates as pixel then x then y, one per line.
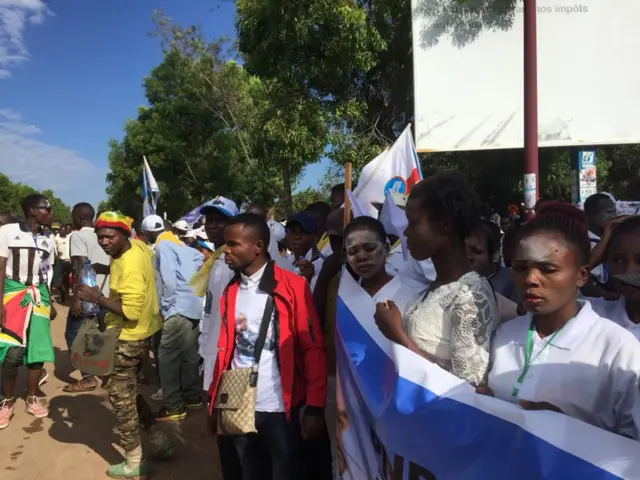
pixel 527 356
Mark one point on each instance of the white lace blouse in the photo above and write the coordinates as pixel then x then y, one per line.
pixel 454 323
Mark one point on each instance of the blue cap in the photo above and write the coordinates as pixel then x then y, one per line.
pixel 207 245
pixel 305 220
pixel 222 205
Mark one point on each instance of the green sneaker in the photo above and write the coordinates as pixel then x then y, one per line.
pixel 123 471
pixel 193 403
pixel 165 415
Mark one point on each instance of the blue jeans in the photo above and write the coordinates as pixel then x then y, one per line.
pixel 73 326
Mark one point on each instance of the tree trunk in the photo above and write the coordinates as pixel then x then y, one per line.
pixel 286 180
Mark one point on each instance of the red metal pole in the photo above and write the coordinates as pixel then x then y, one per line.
pixel 530 108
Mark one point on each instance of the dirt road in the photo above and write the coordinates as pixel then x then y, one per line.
pixel 77 441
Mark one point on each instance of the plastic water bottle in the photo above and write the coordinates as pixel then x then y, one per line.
pixel 88 275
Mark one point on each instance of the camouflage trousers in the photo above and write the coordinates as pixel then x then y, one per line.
pixel 130 409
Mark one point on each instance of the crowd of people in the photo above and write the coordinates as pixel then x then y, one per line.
pixel 238 313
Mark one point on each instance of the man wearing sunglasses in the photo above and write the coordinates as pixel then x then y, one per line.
pixel 25 306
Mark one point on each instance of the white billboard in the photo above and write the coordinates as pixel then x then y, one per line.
pixel 469 88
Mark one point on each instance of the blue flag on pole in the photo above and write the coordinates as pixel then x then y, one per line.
pixel 150 190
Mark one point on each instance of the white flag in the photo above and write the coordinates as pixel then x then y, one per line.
pixel 394 220
pixel 396 170
pixel 357 208
pixel 150 190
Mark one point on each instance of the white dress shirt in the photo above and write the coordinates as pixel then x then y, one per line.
pixel 615 311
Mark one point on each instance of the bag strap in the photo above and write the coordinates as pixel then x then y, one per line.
pixel 102 326
pixel 264 327
pixel 104 281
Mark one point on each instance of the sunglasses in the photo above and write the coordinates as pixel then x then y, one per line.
pixel 44 207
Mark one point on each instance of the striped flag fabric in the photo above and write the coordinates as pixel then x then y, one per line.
pixel 150 190
pixel 194 215
pixel 403 417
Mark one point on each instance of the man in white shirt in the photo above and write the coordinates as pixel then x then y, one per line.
pixel 22 276
pixel 292 370
pixel 83 245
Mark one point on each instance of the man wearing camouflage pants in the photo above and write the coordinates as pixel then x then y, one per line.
pixel 133 306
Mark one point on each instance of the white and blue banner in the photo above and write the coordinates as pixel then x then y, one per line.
pixel 402 417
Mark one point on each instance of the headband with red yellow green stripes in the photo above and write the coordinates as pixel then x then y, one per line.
pixel 114 220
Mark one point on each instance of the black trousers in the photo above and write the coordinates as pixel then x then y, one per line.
pixel 231 468
pixel 274 453
pixel 316 454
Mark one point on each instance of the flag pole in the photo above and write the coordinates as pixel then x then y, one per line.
pixel 347 186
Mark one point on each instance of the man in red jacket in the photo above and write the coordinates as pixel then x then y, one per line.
pixel 292 373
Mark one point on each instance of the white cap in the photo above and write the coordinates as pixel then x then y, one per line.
pixel 277 230
pixel 152 223
pixel 223 205
pixel 181 225
pixel 191 234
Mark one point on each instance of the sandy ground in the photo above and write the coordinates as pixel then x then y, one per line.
pixel 78 440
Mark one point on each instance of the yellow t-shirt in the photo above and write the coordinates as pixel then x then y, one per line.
pixel 132 283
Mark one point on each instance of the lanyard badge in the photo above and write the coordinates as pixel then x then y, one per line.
pixel 527 357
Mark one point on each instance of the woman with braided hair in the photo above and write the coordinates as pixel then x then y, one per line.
pixel 561 355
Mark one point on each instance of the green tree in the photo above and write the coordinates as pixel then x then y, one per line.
pixel 61 211
pixel 352 58
pixel 103 206
pixel 301 200
pixel 11 195
pixel 624 164
pixel 462 21
pixel 275 131
pixel 193 151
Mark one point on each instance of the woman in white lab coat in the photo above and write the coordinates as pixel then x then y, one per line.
pixel 562 356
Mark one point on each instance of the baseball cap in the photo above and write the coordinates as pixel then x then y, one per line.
pixel 191 234
pixel 181 225
pixel 207 245
pixel 152 223
pixel 222 205
pixel 305 220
